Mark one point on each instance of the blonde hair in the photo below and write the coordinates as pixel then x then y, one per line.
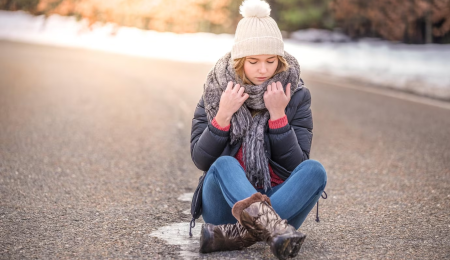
pixel 239 68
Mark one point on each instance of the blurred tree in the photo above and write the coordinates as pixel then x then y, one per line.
pixel 293 15
pixel 411 21
pixel 27 5
pixel 168 15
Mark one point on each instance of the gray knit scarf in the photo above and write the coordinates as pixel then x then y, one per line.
pixel 244 127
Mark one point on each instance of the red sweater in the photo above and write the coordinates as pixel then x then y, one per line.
pixel 275 180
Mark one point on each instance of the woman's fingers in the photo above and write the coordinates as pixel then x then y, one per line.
pixel 229 86
pixel 241 91
pixel 288 90
pixel 236 88
pixel 279 86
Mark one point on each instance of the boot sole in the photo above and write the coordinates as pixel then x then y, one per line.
pixel 288 245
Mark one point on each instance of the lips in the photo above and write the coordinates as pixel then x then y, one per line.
pixel 261 78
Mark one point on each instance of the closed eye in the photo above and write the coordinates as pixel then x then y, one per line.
pixel 267 62
pixel 256 62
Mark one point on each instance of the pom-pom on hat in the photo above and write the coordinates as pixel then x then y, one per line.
pixel 257 33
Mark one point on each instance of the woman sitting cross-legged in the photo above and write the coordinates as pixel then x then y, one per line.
pixel 252 133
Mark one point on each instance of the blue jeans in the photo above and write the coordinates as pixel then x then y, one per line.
pixel 226 183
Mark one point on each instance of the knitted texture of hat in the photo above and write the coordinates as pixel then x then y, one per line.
pixel 257 33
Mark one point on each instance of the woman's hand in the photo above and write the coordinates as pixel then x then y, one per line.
pixel 230 101
pixel 276 100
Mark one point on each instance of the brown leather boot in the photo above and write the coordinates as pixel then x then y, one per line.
pixel 225 237
pixel 260 219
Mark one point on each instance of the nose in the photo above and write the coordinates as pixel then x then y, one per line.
pixel 262 69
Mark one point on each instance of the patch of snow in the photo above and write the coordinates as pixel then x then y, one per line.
pixel 421 69
pixel 186 197
pixel 178 234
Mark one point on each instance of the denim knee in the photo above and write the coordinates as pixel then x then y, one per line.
pixel 315 170
pixel 223 162
pixel 225 159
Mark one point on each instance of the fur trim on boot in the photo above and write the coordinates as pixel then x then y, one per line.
pixel 245 203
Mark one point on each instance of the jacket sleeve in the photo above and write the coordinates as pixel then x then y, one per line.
pixel 290 145
pixel 207 142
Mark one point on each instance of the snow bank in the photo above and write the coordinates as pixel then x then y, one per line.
pixel 318 35
pixel 421 69
pixel 66 31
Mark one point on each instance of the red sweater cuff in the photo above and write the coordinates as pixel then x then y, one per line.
pixel 216 125
pixel 279 123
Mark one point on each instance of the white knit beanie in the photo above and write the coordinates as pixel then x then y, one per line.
pixel 257 33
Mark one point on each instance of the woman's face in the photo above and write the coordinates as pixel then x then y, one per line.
pixel 259 68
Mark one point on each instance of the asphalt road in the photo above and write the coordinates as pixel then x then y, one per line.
pixel 94 153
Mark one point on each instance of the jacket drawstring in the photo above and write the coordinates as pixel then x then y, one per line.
pixel 317 213
pixel 191 226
